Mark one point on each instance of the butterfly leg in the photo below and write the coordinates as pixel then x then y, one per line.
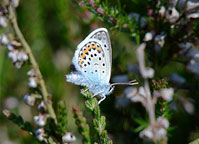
pixel 103 98
pixel 83 91
pixel 97 94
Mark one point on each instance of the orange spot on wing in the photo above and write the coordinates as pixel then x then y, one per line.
pixel 89 48
pixel 86 51
pixel 83 56
pixel 98 49
pixel 93 47
pixel 81 62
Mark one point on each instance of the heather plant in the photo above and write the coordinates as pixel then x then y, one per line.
pixel 153 41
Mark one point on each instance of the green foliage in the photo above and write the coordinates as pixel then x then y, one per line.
pixel 115 17
pixel 99 122
pixel 142 124
pixel 158 85
pixel 53 131
pixel 61 118
pixel 83 127
pixel 162 106
pixel 18 120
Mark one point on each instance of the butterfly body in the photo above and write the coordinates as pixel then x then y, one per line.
pixel 96 88
pixel 93 61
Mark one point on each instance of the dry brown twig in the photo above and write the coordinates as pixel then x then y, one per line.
pixel 14 24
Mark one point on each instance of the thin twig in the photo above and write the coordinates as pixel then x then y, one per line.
pixel 145 74
pixel 33 62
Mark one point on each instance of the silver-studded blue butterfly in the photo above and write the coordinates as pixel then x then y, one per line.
pixel 93 61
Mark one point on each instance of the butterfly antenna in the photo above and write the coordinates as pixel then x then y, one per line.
pixel 133 82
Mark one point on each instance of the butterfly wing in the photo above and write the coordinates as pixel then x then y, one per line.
pixel 102 35
pixel 93 57
pixel 78 79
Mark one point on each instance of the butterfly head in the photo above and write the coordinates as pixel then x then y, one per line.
pixel 109 89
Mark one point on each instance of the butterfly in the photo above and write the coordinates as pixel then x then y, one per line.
pixel 92 61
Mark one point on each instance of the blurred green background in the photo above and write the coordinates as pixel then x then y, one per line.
pixel 53 29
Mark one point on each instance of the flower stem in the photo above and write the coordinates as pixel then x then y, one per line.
pixel 27 48
pixel 150 106
pixel 145 74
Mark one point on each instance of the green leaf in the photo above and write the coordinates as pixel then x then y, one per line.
pixel 103 122
pixel 83 127
pixel 142 124
pixel 61 118
pixel 18 120
pixel 91 104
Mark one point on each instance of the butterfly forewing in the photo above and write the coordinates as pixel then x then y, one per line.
pixel 102 35
pixel 93 56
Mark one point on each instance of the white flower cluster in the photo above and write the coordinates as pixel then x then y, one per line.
pixel 165 93
pixel 40 121
pixel 15 3
pixel 29 99
pixel 32 78
pixel 40 134
pixel 156 131
pixel 140 95
pixel 68 138
pixel 4 39
pixel 18 57
pixel 3 21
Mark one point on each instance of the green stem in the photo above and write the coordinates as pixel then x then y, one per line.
pixel 33 62
pixel 83 127
pixel 99 121
pixel 2 53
